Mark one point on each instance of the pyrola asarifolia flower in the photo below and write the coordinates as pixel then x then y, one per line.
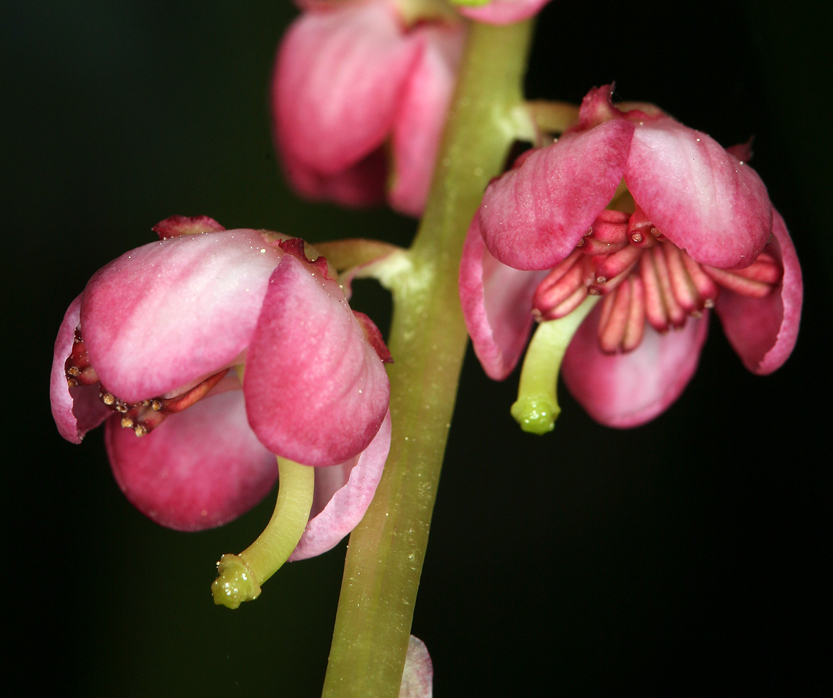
pixel 659 221
pixel 359 97
pixel 499 11
pixel 151 345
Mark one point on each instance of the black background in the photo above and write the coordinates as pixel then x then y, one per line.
pixel 686 555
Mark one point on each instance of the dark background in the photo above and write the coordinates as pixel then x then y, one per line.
pixel 686 555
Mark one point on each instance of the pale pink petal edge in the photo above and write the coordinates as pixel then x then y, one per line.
pixel 347 506
pixel 764 331
pixel 497 305
pixel 418 673
pixel 76 414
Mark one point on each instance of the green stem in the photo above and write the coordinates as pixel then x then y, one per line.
pixel 428 340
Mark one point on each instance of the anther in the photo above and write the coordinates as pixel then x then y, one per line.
pixel 108 399
pixel 126 423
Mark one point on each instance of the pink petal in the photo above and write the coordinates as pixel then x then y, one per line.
pixel 363 184
pixel 698 195
pixel 200 468
pixel 316 390
pixel 626 390
pixel 533 216
pixel 497 305
pixel 503 11
pixel 421 117
pixel 418 674
pixel 337 84
pixel 175 311
pixel 75 410
pixel 342 494
pixel 763 331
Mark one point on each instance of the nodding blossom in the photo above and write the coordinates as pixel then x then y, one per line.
pixel 659 222
pixel 155 345
pixel 359 98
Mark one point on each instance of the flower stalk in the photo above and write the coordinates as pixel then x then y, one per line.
pixel 427 340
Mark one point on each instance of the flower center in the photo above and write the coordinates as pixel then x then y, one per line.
pixel 142 417
pixel 644 277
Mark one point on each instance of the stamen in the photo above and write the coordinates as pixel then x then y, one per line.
pixel 239 576
pixel 563 289
pixel 654 307
pixel 614 319
pixel 666 288
pixel 197 393
pixel 676 314
pixel 610 271
pixel 77 367
pixel 640 229
pixel 144 416
pixel 706 288
pixel 611 227
pixel 635 328
pixel 622 321
pixel 591 246
pixel 682 286
pixel 755 281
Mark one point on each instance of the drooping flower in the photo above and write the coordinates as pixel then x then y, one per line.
pixel 359 97
pixel 659 222
pixel 151 347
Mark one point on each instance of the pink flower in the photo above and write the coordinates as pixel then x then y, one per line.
pixel 150 347
pixel 359 97
pixel 500 11
pixel 692 228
